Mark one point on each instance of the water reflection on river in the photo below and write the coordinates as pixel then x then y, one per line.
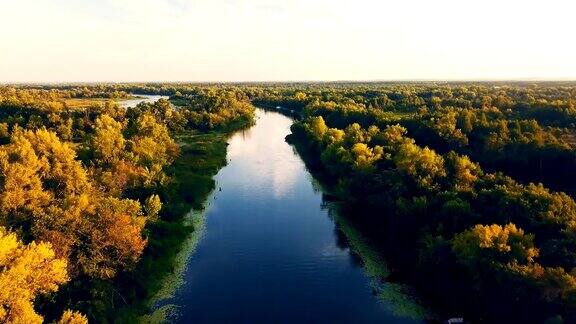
pixel 271 253
pixel 130 103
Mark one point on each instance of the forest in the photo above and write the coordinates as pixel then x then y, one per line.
pixel 466 187
pixel 91 202
pixel 452 181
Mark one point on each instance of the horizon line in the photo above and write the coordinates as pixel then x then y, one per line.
pixel 4 83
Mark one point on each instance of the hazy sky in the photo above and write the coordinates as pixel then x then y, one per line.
pixel 254 40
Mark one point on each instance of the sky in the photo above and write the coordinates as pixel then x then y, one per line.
pixel 286 40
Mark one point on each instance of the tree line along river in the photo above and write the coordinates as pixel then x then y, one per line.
pixel 271 250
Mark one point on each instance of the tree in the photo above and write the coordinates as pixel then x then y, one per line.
pixel 21 183
pixel 152 145
pixel 464 173
pixel 113 241
pixel 394 134
pixel 337 159
pixel 354 134
pixel 489 244
pixel 26 271
pixel 317 127
pixel 422 164
pixel 364 156
pixel 46 192
pixel 70 317
pixel 333 135
pixel 152 206
pixel 108 142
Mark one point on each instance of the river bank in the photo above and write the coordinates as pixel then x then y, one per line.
pixel 271 251
pixel 184 197
pixel 202 155
pixel 393 282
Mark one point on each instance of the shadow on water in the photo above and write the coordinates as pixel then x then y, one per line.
pixel 399 298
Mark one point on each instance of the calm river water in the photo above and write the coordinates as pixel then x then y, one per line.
pixel 270 251
pixel 130 103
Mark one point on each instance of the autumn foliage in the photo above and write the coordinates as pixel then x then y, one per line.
pixel 420 167
pixel 82 189
pixel 82 217
pixel 26 271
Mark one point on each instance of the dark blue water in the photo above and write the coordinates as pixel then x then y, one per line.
pixel 270 253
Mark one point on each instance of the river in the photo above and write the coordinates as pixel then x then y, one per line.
pixel 272 252
pixel 138 98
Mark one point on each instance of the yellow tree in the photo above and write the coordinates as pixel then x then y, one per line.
pixel 464 172
pixel 21 183
pixel 152 148
pixel 422 164
pixel 108 142
pixel 317 127
pixel 364 156
pixel 26 271
pixel 113 237
pixel 152 206
pixel 70 317
pixel 46 192
pixel 495 243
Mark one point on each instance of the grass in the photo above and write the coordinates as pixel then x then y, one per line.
pixel 202 155
pixel 83 103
